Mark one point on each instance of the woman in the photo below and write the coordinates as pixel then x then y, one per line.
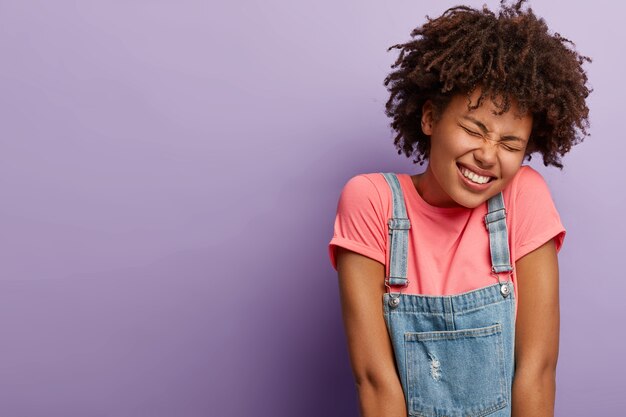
pixel 449 278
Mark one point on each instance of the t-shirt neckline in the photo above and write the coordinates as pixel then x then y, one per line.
pixel 409 188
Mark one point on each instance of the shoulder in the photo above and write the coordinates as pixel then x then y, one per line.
pixel 365 199
pixel 366 187
pixel 529 182
pixel 535 217
pixel 527 175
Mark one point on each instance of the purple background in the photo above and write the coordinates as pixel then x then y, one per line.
pixel 169 173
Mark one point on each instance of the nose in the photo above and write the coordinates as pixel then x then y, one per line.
pixel 485 154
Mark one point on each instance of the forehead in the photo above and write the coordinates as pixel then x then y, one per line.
pixel 459 104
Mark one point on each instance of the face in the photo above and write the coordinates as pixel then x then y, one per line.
pixel 474 154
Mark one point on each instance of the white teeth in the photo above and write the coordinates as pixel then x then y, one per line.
pixel 479 179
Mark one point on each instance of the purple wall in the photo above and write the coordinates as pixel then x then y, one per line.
pixel 169 173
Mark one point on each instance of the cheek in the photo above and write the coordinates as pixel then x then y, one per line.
pixel 453 145
pixel 511 163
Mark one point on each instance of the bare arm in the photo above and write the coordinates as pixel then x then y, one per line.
pixel 536 333
pixel 361 287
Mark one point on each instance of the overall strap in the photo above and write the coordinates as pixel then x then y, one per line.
pixel 495 222
pixel 399 226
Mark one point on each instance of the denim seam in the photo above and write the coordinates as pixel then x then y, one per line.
pixel 501 367
pixel 407 374
pixel 454 334
pixel 480 307
pixel 441 313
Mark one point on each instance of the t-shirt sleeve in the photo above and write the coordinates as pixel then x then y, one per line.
pixel 537 218
pixel 359 223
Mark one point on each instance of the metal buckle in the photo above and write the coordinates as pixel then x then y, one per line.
pixel 398 223
pixel 394 298
pixel 493 269
pixel 505 289
pixel 406 283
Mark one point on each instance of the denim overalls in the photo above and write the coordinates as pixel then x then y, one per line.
pixel 454 354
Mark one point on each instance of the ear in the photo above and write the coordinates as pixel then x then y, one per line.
pixel 427 117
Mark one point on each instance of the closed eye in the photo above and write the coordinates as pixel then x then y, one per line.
pixel 471 132
pixel 510 148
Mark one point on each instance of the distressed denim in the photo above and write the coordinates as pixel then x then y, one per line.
pixel 454 354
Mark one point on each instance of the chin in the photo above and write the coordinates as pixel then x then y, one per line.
pixel 471 205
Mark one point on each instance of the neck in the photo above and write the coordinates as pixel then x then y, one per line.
pixel 430 190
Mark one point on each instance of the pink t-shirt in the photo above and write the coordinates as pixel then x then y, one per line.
pixel 448 249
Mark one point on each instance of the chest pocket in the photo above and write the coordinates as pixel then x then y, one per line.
pixel 458 373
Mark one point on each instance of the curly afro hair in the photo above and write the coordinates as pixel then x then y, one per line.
pixel 510 56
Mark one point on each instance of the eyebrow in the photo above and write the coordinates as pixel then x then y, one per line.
pixel 485 130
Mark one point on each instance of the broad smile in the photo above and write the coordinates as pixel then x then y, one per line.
pixel 473 180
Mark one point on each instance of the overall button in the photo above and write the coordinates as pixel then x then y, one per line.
pixel 505 290
pixel 394 302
